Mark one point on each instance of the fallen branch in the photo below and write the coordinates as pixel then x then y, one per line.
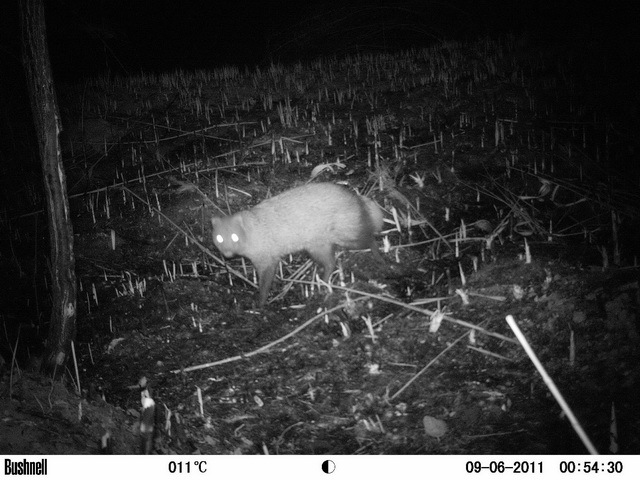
pixel 269 345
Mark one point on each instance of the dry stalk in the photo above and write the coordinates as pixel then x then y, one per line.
pixel 552 386
pixel 414 308
pixel 271 344
pixel 426 367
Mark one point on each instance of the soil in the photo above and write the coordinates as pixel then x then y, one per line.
pixel 485 160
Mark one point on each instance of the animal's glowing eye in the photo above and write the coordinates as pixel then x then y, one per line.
pixel 219 238
pixel 235 238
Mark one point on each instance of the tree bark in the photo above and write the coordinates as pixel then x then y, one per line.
pixel 46 118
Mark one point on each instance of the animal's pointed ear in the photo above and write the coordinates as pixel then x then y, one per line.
pixel 215 221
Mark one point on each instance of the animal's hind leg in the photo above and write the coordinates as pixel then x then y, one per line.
pixel 324 255
pixel 376 253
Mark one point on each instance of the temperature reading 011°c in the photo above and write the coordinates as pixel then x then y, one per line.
pixel 503 467
pixel 197 466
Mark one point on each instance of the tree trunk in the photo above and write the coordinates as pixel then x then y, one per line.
pixel 46 118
